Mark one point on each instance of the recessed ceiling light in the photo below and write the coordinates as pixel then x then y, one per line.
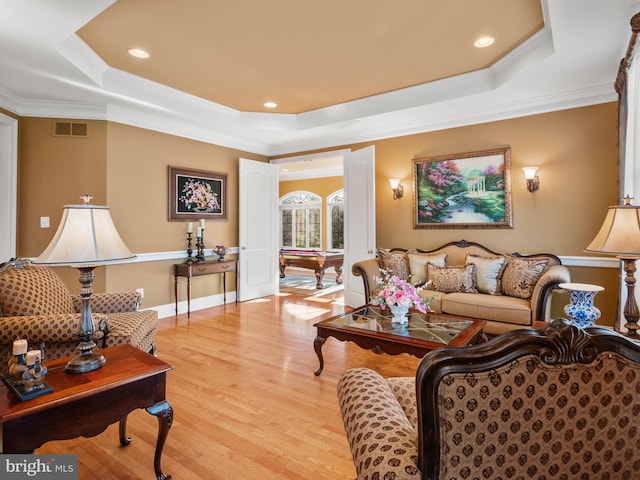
pixel 483 42
pixel 138 53
pixel 270 104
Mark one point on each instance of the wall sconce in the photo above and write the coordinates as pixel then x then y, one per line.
pixel 533 182
pixel 396 186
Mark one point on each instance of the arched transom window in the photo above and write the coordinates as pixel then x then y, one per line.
pixel 300 220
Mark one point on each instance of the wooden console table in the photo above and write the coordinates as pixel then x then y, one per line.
pixel 85 404
pixel 189 270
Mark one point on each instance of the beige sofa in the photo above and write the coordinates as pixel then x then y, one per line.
pixel 509 291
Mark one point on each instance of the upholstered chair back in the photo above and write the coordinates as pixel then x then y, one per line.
pixel 562 403
pixel 557 403
pixel 33 290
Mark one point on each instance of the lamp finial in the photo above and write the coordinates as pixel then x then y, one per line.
pixel 627 199
pixel 86 198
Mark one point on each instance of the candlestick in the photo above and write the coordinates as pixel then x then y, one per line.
pixel 189 249
pixel 20 347
pixel 200 245
pixel 33 356
pixel 190 227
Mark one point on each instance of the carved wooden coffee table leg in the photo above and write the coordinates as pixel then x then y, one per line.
pixel 164 412
pixel 317 346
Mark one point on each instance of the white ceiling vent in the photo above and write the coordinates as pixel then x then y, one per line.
pixel 70 129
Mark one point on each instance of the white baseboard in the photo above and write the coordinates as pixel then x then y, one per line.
pixel 169 309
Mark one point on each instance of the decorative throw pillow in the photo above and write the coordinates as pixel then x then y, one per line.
pixel 452 279
pixel 418 265
pixel 488 272
pixel 395 263
pixel 520 276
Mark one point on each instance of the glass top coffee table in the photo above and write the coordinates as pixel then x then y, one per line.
pixel 371 328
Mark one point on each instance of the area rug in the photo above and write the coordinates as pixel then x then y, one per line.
pixel 306 285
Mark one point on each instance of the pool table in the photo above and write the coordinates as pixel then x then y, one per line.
pixel 316 260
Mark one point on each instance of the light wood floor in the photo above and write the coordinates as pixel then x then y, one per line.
pixel 246 403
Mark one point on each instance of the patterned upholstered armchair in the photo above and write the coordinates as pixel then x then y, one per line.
pixel 35 304
pixel 558 403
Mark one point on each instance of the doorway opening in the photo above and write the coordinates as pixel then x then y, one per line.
pixel 311 205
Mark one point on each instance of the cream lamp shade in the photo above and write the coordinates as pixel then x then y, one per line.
pixel 86 236
pixel 620 232
pixel 620 236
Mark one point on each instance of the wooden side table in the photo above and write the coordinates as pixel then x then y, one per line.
pixel 189 270
pixel 85 404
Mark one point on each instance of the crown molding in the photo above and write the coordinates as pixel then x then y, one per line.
pixel 77 52
pixel 478 97
pixel 423 120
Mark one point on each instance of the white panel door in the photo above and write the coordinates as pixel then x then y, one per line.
pixel 258 234
pixel 8 186
pixel 359 219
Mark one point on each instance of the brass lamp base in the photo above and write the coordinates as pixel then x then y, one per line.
pixel 631 312
pixel 85 363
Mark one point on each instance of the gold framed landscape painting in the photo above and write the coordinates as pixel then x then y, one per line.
pixel 197 194
pixel 465 190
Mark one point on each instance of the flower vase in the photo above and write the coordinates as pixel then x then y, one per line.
pixel 581 309
pixel 399 313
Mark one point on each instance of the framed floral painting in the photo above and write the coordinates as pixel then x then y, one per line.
pixel 197 194
pixel 465 190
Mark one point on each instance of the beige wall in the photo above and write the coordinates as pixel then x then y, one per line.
pixel 53 172
pixel 576 152
pixel 126 167
pixel 320 186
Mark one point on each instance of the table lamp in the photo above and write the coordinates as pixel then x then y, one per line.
pixel 86 238
pixel 620 236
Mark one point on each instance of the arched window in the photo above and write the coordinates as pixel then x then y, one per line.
pixel 335 220
pixel 300 220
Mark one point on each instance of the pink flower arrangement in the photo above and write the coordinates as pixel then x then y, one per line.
pixel 395 291
pixel 199 195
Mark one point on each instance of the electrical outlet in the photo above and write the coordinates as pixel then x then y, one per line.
pixel 44 222
pixel 140 291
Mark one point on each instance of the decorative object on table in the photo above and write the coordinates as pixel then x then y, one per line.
pixel 464 190
pixel 85 239
pixel 189 249
pixel 26 377
pixel 620 236
pixel 197 193
pixel 17 362
pixel 200 241
pixel 220 251
pixel 581 309
pixel 33 377
pixel 399 295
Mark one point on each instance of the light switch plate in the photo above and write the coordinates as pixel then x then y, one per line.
pixel 44 222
